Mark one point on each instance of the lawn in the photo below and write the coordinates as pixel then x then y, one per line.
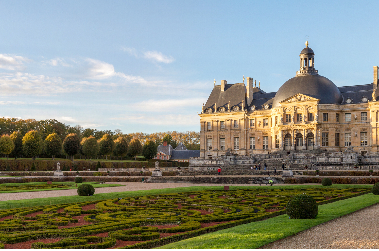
pixel 43 186
pixel 146 219
pixel 258 234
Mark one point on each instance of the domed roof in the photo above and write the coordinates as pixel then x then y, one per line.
pixel 313 85
pixel 307 50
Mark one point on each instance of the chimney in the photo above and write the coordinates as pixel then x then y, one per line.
pixel 375 83
pixel 223 84
pixel 249 90
pixel 165 143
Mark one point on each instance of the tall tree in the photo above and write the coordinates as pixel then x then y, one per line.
pixel 106 145
pixel 121 147
pixel 17 141
pixel 71 144
pixel 31 144
pixel 134 148
pixel 167 138
pixel 53 145
pixel 90 147
pixel 6 145
pixel 149 150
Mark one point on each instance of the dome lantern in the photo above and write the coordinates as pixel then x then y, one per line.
pixel 307 62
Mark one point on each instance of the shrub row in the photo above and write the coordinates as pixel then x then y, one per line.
pixel 80 165
pixel 335 180
pixel 342 173
pixel 78 243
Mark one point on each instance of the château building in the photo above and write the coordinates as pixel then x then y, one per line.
pixel 308 112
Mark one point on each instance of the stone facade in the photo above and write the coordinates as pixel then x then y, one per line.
pixel 307 113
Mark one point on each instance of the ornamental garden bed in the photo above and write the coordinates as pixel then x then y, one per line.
pixel 148 221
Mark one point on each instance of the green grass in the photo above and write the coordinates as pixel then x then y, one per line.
pixel 258 234
pixel 71 185
pixel 104 196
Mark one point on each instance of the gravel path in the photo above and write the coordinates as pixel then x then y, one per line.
pixel 128 186
pixel 357 230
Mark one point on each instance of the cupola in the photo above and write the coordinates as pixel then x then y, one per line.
pixel 307 62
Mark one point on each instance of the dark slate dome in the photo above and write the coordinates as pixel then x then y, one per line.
pixel 307 50
pixel 312 85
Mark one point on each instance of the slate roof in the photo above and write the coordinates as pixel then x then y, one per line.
pixel 185 154
pixel 180 146
pixel 236 93
pixel 165 149
pixel 356 93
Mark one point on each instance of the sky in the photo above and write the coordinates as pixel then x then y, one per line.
pixel 148 66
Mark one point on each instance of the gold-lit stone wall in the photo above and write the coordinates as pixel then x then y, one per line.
pixel 300 123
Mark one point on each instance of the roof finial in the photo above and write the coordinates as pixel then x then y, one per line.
pixel 306 43
pixel 259 84
pixel 243 78
pixel 255 83
pixel 214 82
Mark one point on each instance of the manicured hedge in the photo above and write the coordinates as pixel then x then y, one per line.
pixel 79 165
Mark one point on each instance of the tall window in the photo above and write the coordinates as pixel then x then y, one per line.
pixel 276 120
pixel 299 117
pixel 363 116
pixel 337 117
pixel 310 117
pixel 209 126
pixel 252 143
pixel 209 144
pixel 276 141
pixel 236 143
pixel 265 142
pixel 325 117
pixel 222 124
pixel 288 118
pixel 337 139
pixel 265 122
pixel 363 138
pixel 222 144
pixel 325 139
pixel 235 123
pixel 252 122
pixel 347 139
pixel 347 117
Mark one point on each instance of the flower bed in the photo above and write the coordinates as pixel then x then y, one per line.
pixel 148 221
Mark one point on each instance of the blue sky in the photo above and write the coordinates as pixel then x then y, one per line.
pixel 147 66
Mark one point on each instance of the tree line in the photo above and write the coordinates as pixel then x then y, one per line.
pixel 51 138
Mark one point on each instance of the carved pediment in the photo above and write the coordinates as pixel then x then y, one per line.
pixel 298 98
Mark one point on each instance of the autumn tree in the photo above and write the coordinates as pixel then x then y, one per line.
pixel 6 145
pixel 53 145
pixel 134 148
pixel 71 144
pixel 167 138
pixel 17 141
pixel 90 147
pixel 31 144
pixel 149 150
pixel 106 145
pixel 121 147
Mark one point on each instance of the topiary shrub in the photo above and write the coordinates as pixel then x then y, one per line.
pixel 86 190
pixel 302 206
pixel 78 180
pixel 375 189
pixel 326 182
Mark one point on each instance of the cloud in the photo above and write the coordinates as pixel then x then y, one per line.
pixel 130 51
pixel 59 62
pixel 12 103
pixel 12 63
pixel 99 70
pixel 67 120
pixel 168 119
pixel 158 57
